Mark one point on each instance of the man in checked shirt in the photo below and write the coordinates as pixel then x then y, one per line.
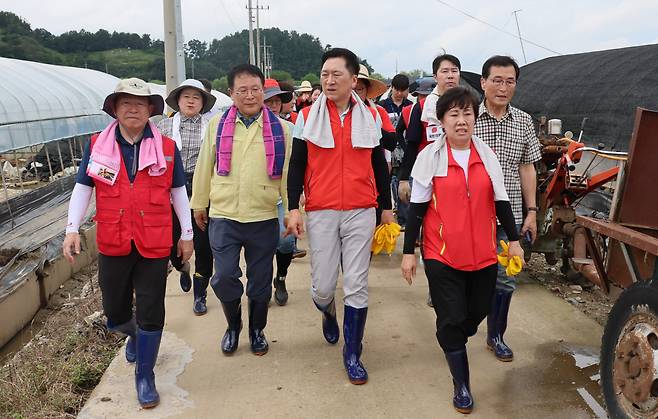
pixel 190 100
pixel 511 134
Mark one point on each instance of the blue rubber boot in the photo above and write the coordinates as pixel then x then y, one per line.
pixel 148 345
pixel 129 329
pixel 497 325
pixel 458 362
pixel 354 323
pixel 330 328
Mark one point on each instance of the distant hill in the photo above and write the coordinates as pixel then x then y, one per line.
pixel 124 54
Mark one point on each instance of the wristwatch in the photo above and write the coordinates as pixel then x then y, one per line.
pixel 535 209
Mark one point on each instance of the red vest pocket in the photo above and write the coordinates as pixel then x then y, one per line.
pixel 157 231
pixel 108 227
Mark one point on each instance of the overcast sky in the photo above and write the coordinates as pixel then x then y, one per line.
pixel 410 32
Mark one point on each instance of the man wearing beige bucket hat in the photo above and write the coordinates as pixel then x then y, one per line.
pixel 187 127
pixel 136 171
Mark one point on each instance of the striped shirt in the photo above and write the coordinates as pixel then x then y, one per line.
pixel 190 134
pixel 514 141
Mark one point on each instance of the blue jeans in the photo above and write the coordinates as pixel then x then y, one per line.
pixel 504 282
pixel 286 244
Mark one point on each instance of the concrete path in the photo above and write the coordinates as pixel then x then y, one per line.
pixel 553 375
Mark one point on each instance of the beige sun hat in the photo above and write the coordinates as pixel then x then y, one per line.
pixel 135 87
pixel 305 87
pixel 208 99
pixel 375 87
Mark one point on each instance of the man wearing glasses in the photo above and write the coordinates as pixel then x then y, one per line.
pixel 242 172
pixel 510 133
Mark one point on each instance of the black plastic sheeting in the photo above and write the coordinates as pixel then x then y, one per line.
pixel 35 233
pixel 604 86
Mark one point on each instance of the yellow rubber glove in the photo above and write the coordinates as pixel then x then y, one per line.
pixel 385 238
pixel 513 266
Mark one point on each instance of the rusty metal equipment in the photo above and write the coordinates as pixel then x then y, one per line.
pixel 623 249
pixel 561 186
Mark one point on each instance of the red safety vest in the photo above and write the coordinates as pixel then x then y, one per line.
pixel 406 115
pixel 339 178
pixel 460 224
pixel 139 212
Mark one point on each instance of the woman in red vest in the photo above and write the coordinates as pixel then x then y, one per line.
pixel 457 193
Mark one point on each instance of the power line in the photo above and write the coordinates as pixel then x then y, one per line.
pixel 228 15
pixel 497 28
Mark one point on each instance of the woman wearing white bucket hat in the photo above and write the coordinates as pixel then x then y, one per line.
pixel 187 127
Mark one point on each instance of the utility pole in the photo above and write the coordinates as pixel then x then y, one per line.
pixel 258 53
pixel 519 32
pixel 264 62
pixel 174 52
pixel 252 58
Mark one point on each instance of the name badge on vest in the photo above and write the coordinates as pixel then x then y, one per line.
pixel 101 172
pixel 433 132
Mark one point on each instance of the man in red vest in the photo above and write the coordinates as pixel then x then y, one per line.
pixel 136 171
pixel 338 162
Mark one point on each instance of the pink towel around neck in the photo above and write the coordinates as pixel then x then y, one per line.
pixel 273 139
pixel 105 159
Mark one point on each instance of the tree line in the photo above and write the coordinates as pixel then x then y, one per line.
pixel 296 56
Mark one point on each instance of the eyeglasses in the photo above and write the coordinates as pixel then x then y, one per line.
pixel 244 91
pixel 498 82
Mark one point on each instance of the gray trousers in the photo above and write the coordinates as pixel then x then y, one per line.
pixel 340 239
pixel 259 240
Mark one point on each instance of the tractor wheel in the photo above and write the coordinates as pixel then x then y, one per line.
pixel 629 354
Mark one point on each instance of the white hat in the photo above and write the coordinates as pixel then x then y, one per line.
pixel 208 99
pixel 134 87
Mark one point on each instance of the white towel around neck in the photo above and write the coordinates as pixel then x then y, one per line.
pixel 429 108
pixel 433 161
pixel 317 127
pixel 175 129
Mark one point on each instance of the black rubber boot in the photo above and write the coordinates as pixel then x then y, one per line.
pixel 257 323
pixel 458 362
pixel 200 284
pixel 497 325
pixel 185 279
pixel 280 291
pixel 233 313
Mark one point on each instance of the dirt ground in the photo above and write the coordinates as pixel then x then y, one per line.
pixel 51 367
pixel 582 294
